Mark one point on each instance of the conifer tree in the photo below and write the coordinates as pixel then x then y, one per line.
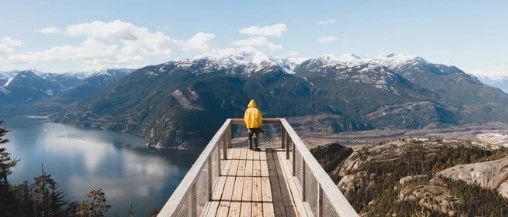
pixel 7 198
pixel 48 199
pixel 6 162
pixel 96 204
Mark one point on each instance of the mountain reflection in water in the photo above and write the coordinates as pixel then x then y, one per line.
pixel 80 159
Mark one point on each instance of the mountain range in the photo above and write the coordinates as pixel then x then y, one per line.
pixel 500 82
pixel 180 103
pixel 38 93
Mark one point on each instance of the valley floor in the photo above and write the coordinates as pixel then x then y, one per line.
pixel 492 133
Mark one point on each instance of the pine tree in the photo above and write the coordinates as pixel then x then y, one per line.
pixel 131 210
pixel 23 194
pixel 6 162
pixel 7 198
pixel 73 209
pixel 48 199
pixel 96 203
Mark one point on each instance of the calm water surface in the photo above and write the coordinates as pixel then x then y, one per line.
pixel 78 159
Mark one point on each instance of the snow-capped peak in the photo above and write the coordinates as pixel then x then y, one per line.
pixel 244 60
pixel 352 60
pixel 234 57
pixel 395 60
pixel 345 59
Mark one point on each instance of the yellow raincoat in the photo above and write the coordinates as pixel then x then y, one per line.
pixel 253 117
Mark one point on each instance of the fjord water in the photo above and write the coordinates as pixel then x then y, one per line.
pixel 79 160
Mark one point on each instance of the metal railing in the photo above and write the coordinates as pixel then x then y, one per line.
pixel 319 194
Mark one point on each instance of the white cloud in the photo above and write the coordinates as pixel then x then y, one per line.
pixel 7 46
pixel 90 50
pixel 135 40
pixel 326 39
pixel 200 42
pixel 273 30
pixel 48 30
pixel 106 44
pixel 326 22
pixel 11 42
pixel 256 42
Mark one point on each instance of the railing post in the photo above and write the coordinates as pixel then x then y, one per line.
pixel 287 146
pixel 319 201
pixel 294 161
pixel 210 179
pixel 283 137
pixel 303 181
pixel 224 147
pixel 218 160
pixel 193 208
pixel 230 138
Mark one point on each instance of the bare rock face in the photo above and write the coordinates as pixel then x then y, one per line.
pixel 431 197
pixel 491 174
pixel 187 99
pixel 408 179
pixel 397 150
pixel 418 172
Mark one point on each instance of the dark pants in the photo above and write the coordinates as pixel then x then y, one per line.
pixel 254 132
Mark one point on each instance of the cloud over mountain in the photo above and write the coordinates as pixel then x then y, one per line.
pixel 326 39
pixel 272 30
pixel 48 30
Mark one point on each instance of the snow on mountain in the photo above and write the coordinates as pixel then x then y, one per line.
pixel 9 80
pixel 390 61
pixel 396 60
pixel 243 61
pixel 499 82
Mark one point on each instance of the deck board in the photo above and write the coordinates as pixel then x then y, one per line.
pixel 253 183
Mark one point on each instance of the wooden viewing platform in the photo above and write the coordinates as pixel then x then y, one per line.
pixel 236 181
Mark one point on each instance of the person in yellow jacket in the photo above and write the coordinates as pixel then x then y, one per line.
pixel 253 120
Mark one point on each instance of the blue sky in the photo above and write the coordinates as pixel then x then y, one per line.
pixel 57 35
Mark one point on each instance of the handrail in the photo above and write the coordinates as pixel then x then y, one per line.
pixel 190 178
pixel 184 200
pixel 237 121
pixel 326 186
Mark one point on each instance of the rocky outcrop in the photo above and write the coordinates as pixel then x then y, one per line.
pixel 491 174
pixel 431 197
pixel 404 176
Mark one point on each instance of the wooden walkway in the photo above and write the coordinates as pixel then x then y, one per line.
pixel 256 184
pixel 281 179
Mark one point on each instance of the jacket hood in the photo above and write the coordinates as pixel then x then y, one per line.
pixel 252 104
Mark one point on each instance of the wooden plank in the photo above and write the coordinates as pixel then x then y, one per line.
pixel 246 209
pixel 264 165
pixel 243 156
pixel 257 195
pixel 212 209
pixel 256 170
pixel 268 210
pixel 250 154
pixel 265 186
pixel 257 209
pixel 247 181
pixel 277 198
pixel 235 208
pixel 238 188
pixel 218 189
pixel 286 179
pixel 228 188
